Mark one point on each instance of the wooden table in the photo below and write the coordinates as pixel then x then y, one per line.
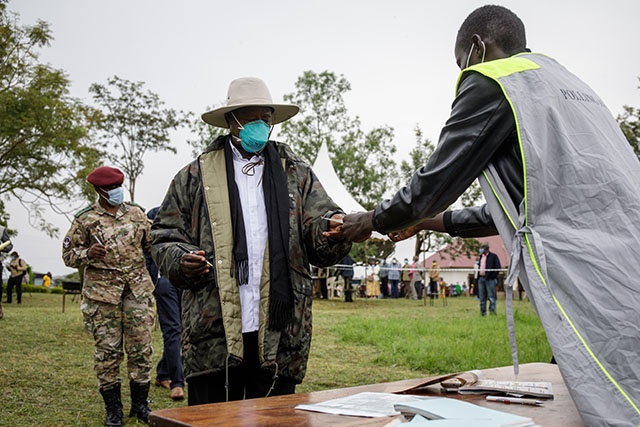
pixel 279 410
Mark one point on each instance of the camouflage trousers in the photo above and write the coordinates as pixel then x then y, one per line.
pixel 130 321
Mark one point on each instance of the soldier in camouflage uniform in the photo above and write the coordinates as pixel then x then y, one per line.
pixel 108 240
pixel 245 335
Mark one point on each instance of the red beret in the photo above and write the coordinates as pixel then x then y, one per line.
pixel 105 176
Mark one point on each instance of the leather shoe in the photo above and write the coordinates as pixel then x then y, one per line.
pixel 164 383
pixel 177 393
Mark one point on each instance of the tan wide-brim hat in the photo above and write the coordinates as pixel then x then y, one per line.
pixel 249 92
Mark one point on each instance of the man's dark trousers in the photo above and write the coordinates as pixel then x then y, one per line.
pixel 323 288
pixel 247 381
pixel 384 286
pixel 17 281
pixel 487 288
pixel 394 287
pixel 168 302
pixel 418 286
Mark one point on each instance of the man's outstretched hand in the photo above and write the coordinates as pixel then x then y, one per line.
pixel 356 227
pixel 335 227
pixel 434 224
pixel 405 234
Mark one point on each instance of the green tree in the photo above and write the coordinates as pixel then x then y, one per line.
pixel 629 122
pixel 204 133
pixel 133 122
pixel 428 241
pixel 322 117
pixel 372 249
pixel 45 147
pixel 364 161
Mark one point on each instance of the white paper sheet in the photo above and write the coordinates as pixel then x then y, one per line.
pixel 366 404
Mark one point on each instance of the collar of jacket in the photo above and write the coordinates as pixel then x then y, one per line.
pixel 283 149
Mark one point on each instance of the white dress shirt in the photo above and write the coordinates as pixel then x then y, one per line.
pixel 254 213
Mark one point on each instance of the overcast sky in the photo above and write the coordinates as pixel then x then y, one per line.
pixel 398 56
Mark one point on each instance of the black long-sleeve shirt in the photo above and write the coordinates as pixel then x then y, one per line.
pixel 480 130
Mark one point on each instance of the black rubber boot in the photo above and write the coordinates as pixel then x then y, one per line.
pixel 139 407
pixel 113 405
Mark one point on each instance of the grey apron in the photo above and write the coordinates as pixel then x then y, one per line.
pixel 575 238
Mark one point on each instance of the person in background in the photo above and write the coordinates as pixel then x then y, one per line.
pixel 474 284
pixel 394 277
pixel 520 290
pixel 109 239
pixel 322 277
pixel 406 280
pixel 384 279
pixel 373 287
pixel 442 286
pixel 417 277
pixel 487 279
pixel 434 273
pixel 346 271
pixel 169 372
pixel 46 280
pixel 412 288
pixel 17 269
pixel 6 246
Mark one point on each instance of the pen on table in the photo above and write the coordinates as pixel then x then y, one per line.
pixel 189 251
pixel 517 400
pixel 338 220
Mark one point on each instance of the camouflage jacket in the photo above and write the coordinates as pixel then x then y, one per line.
pixel 126 236
pixel 211 318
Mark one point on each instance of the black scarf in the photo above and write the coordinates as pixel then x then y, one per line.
pixel 276 200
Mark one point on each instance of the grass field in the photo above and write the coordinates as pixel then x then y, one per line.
pixel 46 367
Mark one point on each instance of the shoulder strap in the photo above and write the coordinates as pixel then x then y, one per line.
pixel 134 204
pixel 80 212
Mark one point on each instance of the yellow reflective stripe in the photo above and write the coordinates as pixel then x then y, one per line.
pixel 499 201
pixel 584 343
pixel 501 67
pixel 521 64
pixel 524 164
pixel 504 67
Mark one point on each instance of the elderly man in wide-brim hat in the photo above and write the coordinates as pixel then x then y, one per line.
pixel 237 230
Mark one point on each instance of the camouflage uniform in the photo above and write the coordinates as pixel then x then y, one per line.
pixel 211 339
pixel 117 294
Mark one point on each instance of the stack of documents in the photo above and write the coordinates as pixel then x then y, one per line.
pixel 510 388
pixel 428 411
pixel 366 404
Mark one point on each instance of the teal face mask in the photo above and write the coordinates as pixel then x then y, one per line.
pixel 254 135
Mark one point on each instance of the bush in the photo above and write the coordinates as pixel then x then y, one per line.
pixel 27 288
pixel 34 289
pixel 56 290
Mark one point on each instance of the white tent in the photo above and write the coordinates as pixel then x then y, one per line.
pixel 323 168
